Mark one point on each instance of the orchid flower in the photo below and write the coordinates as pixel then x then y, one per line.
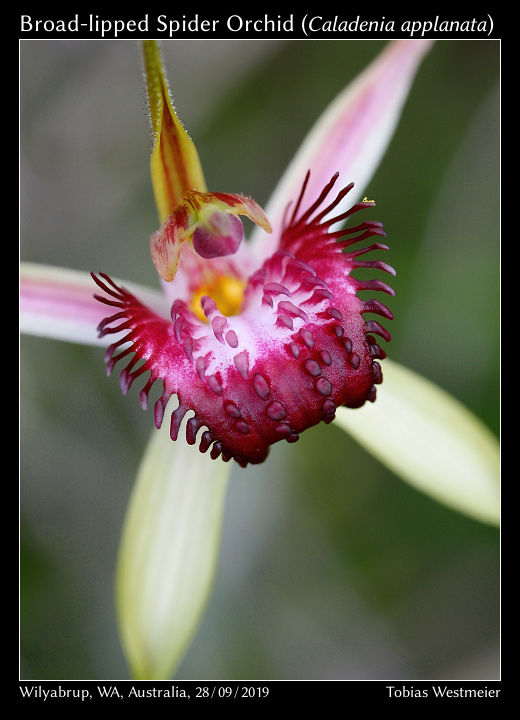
pixel 253 342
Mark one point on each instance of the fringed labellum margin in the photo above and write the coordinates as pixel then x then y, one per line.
pixel 299 348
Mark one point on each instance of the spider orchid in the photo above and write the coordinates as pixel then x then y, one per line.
pixel 252 343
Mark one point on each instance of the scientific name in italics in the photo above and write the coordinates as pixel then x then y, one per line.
pixel 292 25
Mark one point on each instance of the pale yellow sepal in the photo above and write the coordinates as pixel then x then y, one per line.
pixel 430 440
pixel 175 164
pixel 169 552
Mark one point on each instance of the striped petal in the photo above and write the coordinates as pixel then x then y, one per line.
pixel 430 440
pixel 207 222
pixel 168 554
pixel 351 135
pixel 175 165
pixel 59 303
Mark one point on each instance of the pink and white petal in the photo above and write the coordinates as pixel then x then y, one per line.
pixel 59 303
pixel 429 439
pixel 351 136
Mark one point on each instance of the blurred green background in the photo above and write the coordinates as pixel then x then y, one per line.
pixel 331 567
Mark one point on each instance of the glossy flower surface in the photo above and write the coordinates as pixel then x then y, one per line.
pixel 168 516
pixel 297 345
pixel 298 348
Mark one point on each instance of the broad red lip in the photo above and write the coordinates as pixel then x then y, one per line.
pixel 299 347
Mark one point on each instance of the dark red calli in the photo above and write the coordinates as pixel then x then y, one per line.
pixel 298 349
